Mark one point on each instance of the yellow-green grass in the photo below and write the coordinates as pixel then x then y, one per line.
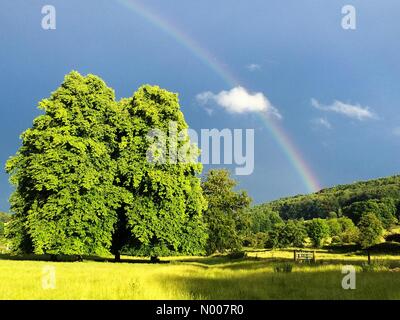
pixel 199 278
pixel 325 256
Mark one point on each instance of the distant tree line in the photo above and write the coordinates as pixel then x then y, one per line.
pixel 362 223
pixel 355 213
pixel 385 192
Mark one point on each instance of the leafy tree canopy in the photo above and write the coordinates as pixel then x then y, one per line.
pixel 226 215
pixel 162 201
pixel 4 217
pixel 318 230
pixel 371 230
pixel 84 184
pixel 385 210
pixel 291 233
pixel 263 219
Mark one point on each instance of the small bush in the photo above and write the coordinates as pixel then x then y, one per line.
pixel 386 247
pixel 393 237
pixel 237 255
pixel 374 266
pixel 284 267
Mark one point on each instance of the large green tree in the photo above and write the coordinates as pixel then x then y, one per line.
pixel 384 209
pixel 161 197
pixel 226 216
pixel 84 181
pixel 65 199
pixel 263 219
pixel 343 230
pixel 291 233
pixel 318 231
pixel 371 230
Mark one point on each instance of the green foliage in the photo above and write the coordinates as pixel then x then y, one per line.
pixel 291 233
pixel 63 173
pixel 380 196
pixel 85 186
pixel 273 240
pixel 285 267
pixel 323 203
pixel 371 230
pixel 4 217
pixel 374 266
pixel 226 216
pixel 263 219
pixel 342 230
pixel 335 228
pixel 332 215
pixel 162 202
pixel 294 233
pixel 318 231
pixel 385 210
pixel 256 240
pixel 349 232
pixel 358 208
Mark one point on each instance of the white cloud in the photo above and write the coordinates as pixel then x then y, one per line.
pixel 253 67
pixel 396 131
pixel 349 110
pixel 323 123
pixel 239 100
pixel 209 111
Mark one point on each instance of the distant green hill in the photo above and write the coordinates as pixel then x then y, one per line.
pixel 335 200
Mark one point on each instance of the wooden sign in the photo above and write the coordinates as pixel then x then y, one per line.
pixel 304 256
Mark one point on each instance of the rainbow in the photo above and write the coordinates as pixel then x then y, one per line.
pixel 281 137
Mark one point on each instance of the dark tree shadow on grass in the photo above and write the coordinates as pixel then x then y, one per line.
pixel 287 286
pixel 73 258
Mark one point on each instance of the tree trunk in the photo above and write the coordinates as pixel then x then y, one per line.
pixel 369 257
pixel 154 259
pixel 117 257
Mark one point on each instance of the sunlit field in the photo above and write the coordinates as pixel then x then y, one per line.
pixel 202 278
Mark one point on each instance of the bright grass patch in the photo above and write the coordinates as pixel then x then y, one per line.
pixel 199 278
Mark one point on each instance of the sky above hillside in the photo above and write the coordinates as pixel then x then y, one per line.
pixel 323 100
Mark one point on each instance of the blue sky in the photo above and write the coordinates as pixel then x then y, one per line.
pixel 298 49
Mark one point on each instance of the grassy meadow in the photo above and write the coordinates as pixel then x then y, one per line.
pixel 215 277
